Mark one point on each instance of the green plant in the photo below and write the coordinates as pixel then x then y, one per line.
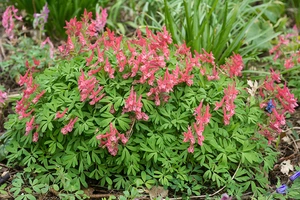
pixel 2 189
pixel 146 103
pixel 132 194
pixel 21 191
pixel 24 48
pixel 290 190
pixel 24 187
pixel 237 26
pixel 284 58
pixel 60 12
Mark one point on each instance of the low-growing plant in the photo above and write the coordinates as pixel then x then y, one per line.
pixel 284 59
pixel 26 188
pixel 60 12
pixel 23 47
pixel 289 190
pixel 145 112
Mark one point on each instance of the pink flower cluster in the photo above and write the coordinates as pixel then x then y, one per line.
pixel 80 31
pixel 29 91
pixel 290 59
pixel 30 96
pixel 8 20
pixel 234 65
pixel 3 96
pixel 89 88
pixel 48 41
pixel 228 103
pixel 69 127
pixel 111 139
pixel 61 114
pixel 132 104
pixel 202 119
pixel 282 101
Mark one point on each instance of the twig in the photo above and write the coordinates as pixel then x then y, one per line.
pixel 2 52
pixel 97 196
pixel 128 134
pixel 295 127
pixel 54 192
pixel 213 194
pixel 3 165
pixel 295 144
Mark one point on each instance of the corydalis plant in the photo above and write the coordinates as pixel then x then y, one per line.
pixel 144 61
pixel 277 101
pixel 8 21
pixel 146 103
pixel 41 18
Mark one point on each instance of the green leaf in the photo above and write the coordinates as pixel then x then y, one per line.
pixel 108 180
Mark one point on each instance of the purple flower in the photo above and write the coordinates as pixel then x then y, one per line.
pixel 270 106
pixel 282 189
pixel 225 196
pixel 41 18
pixel 295 176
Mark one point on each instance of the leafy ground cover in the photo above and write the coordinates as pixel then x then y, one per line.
pixel 169 122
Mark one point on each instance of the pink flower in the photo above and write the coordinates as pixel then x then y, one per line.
pixel 266 132
pixel 189 137
pixel 35 137
pixel 132 104
pixel 111 139
pixel 23 79
pixel 94 71
pixel 36 99
pixel 62 114
pixel 50 44
pixel 69 127
pixel 86 86
pixel 234 65
pixel 73 27
pixel 100 20
pixel 109 69
pixel 8 21
pixel 288 63
pixel 286 98
pixel 275 76
pixel 182 49
pixel 3 96
pixel 228 99
pixel 94 96
pixel 89 59
pixel 70 44
pixel 29 126
pixel 205 57
pixel 215 75
pixel 202 118
pixel 167 83
pixel 122 61
pixel 199 128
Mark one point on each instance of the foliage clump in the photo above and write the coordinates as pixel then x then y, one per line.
pixel 145 102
